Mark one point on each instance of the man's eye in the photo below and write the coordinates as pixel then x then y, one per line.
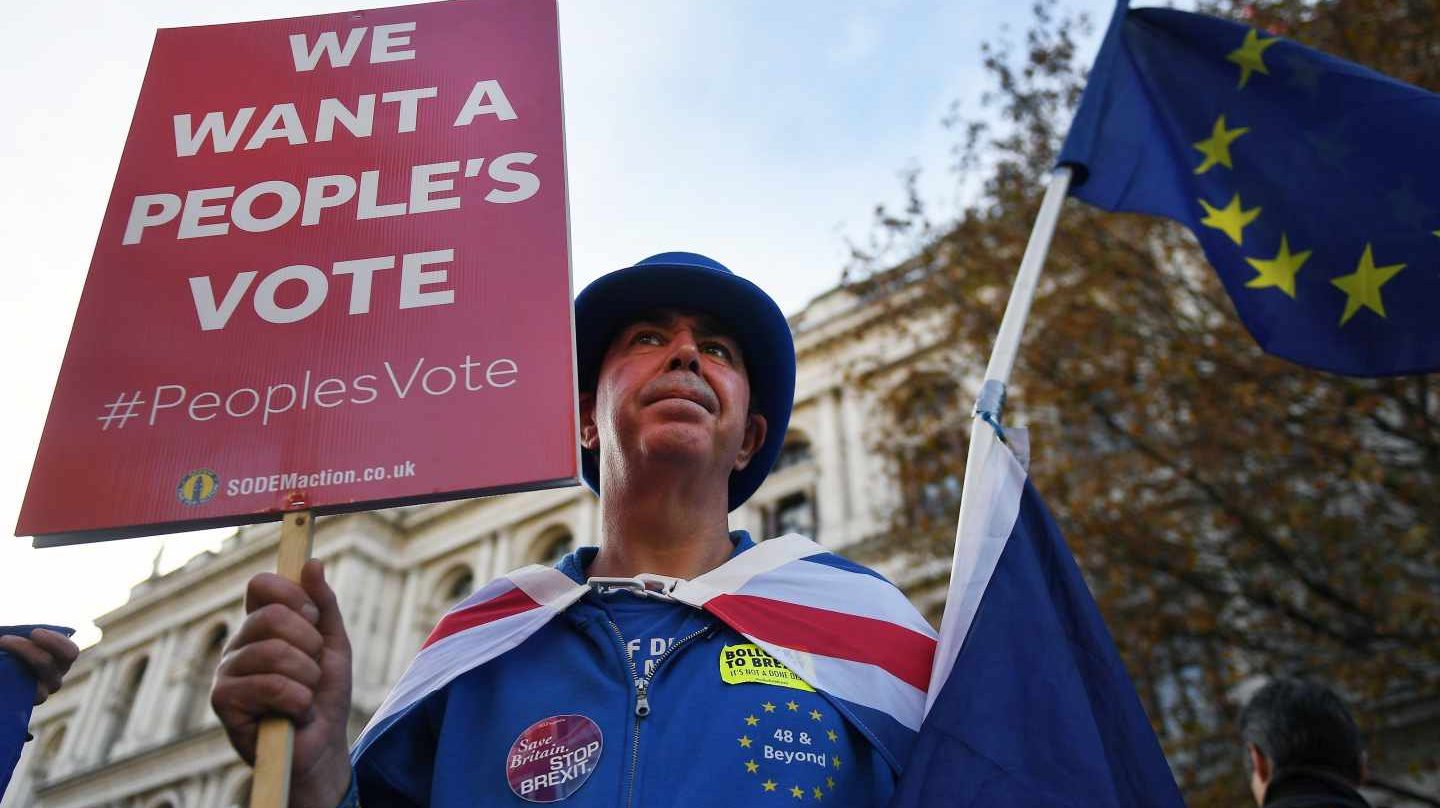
pixel 648 338
pixel 716 349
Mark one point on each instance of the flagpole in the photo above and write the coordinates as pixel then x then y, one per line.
pixel 985 426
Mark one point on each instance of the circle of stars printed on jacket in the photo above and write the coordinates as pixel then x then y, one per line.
pixel 799 733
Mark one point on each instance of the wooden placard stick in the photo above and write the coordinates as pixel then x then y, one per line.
pixel 274 748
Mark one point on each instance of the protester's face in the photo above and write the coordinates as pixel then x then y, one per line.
pixel 672 388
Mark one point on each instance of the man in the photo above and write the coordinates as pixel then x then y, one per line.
pixel 33 664
pixel 1304 747
pixel 696 669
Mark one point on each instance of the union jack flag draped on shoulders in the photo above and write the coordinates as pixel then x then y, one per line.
pixel 843 629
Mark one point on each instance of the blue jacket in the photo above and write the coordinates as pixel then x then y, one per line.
pixel 701 718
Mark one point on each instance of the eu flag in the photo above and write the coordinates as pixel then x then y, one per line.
pixel 1030 704
pixel 1312 183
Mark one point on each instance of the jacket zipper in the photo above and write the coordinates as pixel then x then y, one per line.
pixel 642 697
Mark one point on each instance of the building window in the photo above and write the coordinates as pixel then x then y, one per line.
pixel 49 753
pixel 794 514
pixel 460 584
pixel 196 709
pixel 929 450
pixel 122 705
pixel 795 452
pixel 453 586
pixel 552 546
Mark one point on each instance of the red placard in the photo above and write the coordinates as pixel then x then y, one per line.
pixel 333 273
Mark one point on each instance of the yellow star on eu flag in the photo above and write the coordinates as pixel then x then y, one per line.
pixel 830 733
pixel 1230 219
pixel 792 706
pixel 1217 147
pixel 1278 271
pixel 769 708
pixel 751 720
pixel 751 766
pixel 797 792
pixel 815 715
pixel 745 741
pixel 1250 55
pixel 1362 287
pixel 819 795
pixel 769 785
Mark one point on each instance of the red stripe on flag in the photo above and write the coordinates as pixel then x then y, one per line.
pixel 513 602
pixel 905 654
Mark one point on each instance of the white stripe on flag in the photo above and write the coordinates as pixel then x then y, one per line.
pixel 735 573
pixel 859 682
pixel 445 660
pixel 996 489
pixel 547 586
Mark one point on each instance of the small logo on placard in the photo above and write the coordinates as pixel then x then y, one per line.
pixel 553 758
pixel 198 487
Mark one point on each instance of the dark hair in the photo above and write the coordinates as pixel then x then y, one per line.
pixel 1300 723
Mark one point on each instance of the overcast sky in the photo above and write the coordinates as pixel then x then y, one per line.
pixel 761 133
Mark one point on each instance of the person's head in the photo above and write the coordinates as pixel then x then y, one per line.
pixel 1292 723
pixel 681 362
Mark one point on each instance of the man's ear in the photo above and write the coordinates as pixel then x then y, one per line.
pixel 589 433
pixel 1259 764
pixel 754 438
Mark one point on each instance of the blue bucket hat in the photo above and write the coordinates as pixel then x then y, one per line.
pixel 691 282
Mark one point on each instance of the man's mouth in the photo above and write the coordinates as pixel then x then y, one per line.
pixel 681 399
pixel 701 398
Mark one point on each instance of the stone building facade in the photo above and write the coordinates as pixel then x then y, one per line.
pixel 132 727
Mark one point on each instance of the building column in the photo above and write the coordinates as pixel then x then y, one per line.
pixel 860 472
pixel 82 740
pixel 144 722
pixel 505 552
pixel 587 521
pixel 340 574
pixel 176 690
pixel 482 559
pixel 833 506
pixel 399 645
pixel 372 659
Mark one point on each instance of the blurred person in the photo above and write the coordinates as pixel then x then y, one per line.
pixel 1303 746
pixel 33 664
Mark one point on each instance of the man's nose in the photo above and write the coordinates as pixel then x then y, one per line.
pixel 684 355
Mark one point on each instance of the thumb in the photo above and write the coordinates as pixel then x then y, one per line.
pixel 330 623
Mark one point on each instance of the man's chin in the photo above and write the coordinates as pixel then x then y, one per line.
pixel 680 442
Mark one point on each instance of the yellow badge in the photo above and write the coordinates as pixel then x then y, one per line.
pixel 748 662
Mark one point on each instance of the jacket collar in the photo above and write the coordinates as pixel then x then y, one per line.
pixel 1307 785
